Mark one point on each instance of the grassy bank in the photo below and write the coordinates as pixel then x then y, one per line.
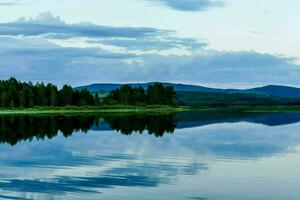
pixel 144 109
pixel 92 109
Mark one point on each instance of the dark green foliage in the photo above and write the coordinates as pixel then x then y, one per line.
pixel 97 99
pixel 156 94
pixel 66 95
pixel 15 94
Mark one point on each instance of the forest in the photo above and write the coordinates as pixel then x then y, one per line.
pixel 16 94
pixel 156 94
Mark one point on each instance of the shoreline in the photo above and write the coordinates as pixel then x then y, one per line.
pixel 145 109
pixel 91 110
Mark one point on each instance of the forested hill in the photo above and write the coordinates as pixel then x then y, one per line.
pixel 270 90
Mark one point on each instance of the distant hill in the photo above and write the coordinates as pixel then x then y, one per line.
pixel 276 90
pixel 270 90
pixel 107 87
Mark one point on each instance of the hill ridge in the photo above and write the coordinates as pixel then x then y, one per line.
pixel 268 90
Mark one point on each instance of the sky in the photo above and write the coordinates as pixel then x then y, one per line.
pixel 216 43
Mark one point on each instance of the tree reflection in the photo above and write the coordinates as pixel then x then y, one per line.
pixel 14 129
pixel 156 125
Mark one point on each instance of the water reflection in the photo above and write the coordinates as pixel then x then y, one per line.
pixel 146 175
pixel 187 160
pixel 192 119
pixel 156 125
pixel 14 129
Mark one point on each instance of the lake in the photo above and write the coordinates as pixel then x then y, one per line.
pixel 189 156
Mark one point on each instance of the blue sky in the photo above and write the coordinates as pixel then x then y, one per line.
pixel 218 43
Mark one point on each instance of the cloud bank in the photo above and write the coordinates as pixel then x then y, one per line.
pixel 35 49
pixel 49 26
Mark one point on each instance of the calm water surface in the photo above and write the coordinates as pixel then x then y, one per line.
pixel 189 156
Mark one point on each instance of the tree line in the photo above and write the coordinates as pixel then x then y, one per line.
pixel 156 94
pixel 16 94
